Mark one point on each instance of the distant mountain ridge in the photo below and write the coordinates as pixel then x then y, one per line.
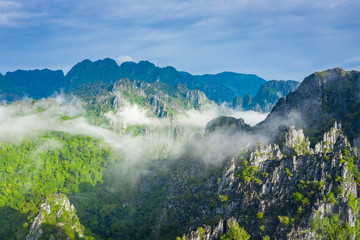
pixel 234 82
pixel 37 84
pixel 33 83
pixel 267 96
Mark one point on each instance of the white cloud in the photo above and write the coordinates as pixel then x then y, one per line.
pixel 122 59
pixel 201 118
pixel 9 5
pixel 131 115
pixel 250 117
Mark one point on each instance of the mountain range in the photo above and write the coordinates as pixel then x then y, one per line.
pixel 127 158
pixel 222 87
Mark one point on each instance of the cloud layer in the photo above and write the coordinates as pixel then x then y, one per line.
pixel 26 119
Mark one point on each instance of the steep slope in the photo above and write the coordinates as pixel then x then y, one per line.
pixel 320 100
pixel 34 83
pixel 286 191
pixel 267 96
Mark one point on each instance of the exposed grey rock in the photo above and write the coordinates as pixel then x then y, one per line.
pixel 320 100
pixel 158 106
pixel 286 173
pixel 208 232
pixel 262 153
pixel 331 140
pixel 294 137
pixel 52 209
pixel 228 177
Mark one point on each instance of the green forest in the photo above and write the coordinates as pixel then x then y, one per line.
pixel 38 167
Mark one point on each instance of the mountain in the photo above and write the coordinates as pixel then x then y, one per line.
pixel 148 72
pixel 267 96
pixel 5 94
pixel 218 92
pixel 33 83
pixel 219 88
pixel 320 100
pixel 105 70
pixel 240 84
pixel 108 71
pixel 37 84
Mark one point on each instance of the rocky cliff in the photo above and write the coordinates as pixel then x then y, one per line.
pixel 320 100
pixel 286 190
pixel 164 99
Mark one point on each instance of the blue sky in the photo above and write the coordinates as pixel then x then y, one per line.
pixel 275 39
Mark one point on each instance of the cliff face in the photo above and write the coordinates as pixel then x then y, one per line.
pixel 161 99
pixel 320 100
pixel 286 190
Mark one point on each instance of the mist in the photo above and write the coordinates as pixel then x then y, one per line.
pixel 22 120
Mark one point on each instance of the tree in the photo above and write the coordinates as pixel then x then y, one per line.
pixel 235 233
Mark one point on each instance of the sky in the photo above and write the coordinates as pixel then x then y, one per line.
pixel 274 39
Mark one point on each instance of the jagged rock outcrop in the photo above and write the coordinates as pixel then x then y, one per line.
pixel 197 99
pixel 294 139
pixel 158 105
pixel 56 211
pixel 280 191
pixel 208 233
pixel 262 153
pixel 331 141
pixel 163 99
